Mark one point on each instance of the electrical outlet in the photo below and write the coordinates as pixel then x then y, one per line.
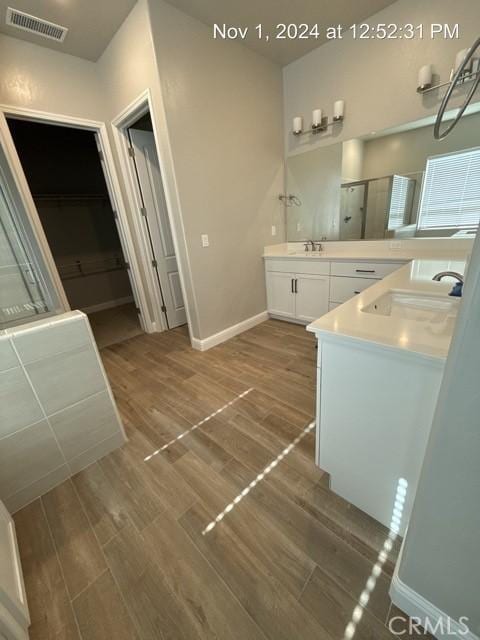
pixel 274 230
pixel 299 226
pixel 205 241
pixel 395 244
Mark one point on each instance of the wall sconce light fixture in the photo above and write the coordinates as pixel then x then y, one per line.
pixel 470 71
pixel 338 110
pixel 298 125
pixel 425 76
pixel 459 58
pixel 320 122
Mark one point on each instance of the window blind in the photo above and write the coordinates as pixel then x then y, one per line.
pixel 398 202
pixel 451 191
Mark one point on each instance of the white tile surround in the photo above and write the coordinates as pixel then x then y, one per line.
pixel 57 412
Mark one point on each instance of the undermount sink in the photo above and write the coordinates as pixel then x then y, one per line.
pixel 465 233
pixel 412 305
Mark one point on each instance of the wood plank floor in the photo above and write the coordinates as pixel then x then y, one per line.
pixel 189 531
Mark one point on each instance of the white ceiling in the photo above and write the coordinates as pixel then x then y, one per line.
pixel 271 12
pixel 91 23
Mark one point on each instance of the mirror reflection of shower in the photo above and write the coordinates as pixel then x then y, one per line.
pixel 377 207
pixel 290 200
pixel 353 201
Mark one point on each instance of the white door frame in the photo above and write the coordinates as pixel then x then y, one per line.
pixel 113 185
pixel 157 224
pixel 120 125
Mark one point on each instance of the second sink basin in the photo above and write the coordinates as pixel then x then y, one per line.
pixel 412 305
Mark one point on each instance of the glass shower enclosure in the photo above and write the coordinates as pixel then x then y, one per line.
pixel 26 291
pixel 376 208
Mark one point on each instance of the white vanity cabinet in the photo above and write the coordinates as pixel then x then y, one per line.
pixel 280 293
pixel 303 289
pixel 297 289
pixel 362 269
pixel 342 289
pixel 375 442
pixel 378 380
pixel 14 617
pixel 349 279
pixel 311 296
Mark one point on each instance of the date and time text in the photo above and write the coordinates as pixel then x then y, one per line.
pixel 363 31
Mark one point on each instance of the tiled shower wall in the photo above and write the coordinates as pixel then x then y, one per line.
pixel 57 413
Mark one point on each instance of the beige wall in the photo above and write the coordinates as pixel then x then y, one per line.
pixel 223 106
pixel 223 110
pixel 39 78
pixel 352 160
pixel 126 70
pixel 376 78
pixel 127 66
pixel 315 178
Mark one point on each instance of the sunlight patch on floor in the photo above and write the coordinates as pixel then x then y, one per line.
pixel 199 424
pixel 397 513
pixel 259 477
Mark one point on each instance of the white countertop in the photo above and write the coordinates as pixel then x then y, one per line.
pixel 45 320
pixel 421 338
pixel 376 250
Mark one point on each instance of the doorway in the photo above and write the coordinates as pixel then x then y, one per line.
pixel 66 178
pixel 154 212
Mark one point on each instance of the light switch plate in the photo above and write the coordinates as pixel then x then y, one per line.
pixel 205 241
pixel 274 230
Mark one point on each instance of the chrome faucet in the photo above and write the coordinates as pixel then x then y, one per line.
pixel 451 274
pixel 315 246
pixel 309 243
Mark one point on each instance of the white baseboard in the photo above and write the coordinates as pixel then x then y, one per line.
pixel 152 328
pixel 230 332
pixel 303 323
pixel 109 304
pixel 416 606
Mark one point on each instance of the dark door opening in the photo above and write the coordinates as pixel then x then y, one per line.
pixel 65 176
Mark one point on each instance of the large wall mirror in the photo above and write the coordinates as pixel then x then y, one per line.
pixel 391 184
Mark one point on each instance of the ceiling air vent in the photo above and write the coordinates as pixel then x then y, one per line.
pixel 29 23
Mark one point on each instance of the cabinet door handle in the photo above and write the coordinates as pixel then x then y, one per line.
pixel 296 285
pixel 356 292
pixel 292 285
pixel 365 270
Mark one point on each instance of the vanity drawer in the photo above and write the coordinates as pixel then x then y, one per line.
pixel 342 289
pixel 289 265
pixel 376 270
